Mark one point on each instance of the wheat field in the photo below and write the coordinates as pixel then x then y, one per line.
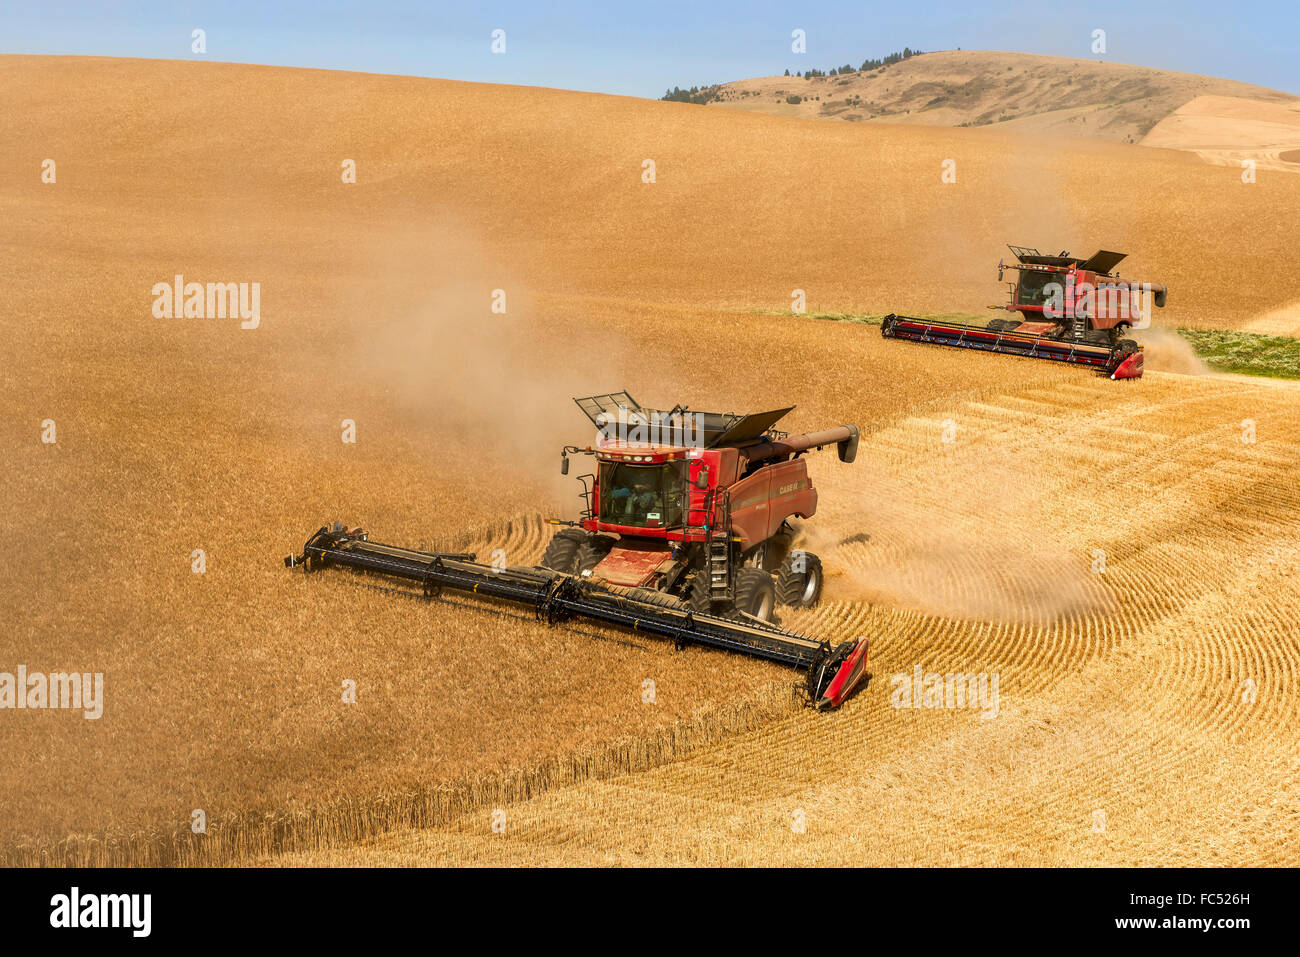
pixel 1121 690
pixel 1127 695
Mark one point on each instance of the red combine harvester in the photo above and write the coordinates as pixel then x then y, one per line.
pixel 1072 310
pixel 685 533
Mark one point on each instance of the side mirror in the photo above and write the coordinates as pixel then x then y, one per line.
pixel 702 477
pixel 564 465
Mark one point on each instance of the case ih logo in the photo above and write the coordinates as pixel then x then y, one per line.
pixel 649 427
pixel 792 487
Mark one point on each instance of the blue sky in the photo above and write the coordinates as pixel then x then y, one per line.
pixel 641 49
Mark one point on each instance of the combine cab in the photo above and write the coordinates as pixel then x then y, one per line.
pixel 685 533
pixel 1070 310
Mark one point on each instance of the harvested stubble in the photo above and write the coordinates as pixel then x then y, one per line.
pixel 1133 702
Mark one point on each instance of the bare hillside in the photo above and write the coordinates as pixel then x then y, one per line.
pixel 1021 91
pixel 1227 130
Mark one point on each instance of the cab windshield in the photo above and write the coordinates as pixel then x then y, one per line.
pixel 644 496
pixel 1031 290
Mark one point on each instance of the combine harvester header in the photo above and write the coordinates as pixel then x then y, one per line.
pixel 1118 362
pixel 1071 310
pixel 833 672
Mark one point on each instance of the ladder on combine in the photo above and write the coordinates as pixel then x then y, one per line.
pixel 721 576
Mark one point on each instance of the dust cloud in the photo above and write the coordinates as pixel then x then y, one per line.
pixel 498 383
pixel 984 545
pixel 1167 351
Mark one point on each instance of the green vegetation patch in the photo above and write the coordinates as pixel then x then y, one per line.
pixel 1246 353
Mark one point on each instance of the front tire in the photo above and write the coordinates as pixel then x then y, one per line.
pixel 697 594
pixel 590 554
pixel 755 594
pixel 562 553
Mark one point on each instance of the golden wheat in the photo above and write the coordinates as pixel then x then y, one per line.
pixel 223 689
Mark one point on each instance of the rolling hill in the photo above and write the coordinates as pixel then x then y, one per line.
pixel 1039 95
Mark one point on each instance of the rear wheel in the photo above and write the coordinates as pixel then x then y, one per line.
pixel 799 580
pixel 755 593
pixel 562 553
